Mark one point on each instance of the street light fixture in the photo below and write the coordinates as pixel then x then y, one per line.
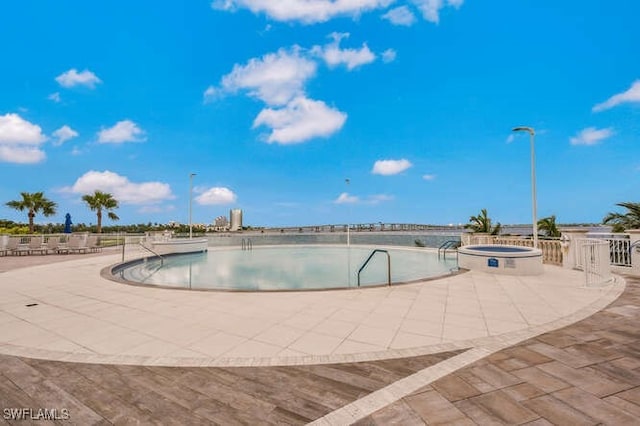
pixel 190 203
pixel 532 134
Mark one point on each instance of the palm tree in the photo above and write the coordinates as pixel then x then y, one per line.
pixel 628 220
pixel 101 201
pixel 548 224
pixel 482 223
pixel 34 203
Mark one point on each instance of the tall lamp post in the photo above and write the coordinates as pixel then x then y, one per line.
pixel 532 135
pixel 349 218
pixel 190 203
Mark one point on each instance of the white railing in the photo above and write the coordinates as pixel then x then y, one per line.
pixel 594 256
pixel 620 252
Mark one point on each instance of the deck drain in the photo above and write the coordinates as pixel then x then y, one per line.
pixel 31 304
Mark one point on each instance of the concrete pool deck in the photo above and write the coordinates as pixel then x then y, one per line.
pixel 65 311
pixel 587 373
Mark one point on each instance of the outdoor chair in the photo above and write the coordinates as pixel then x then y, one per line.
pixel 15 247
pixel 53 244
pixel 77 244
pixel 36 245
pixel 92 243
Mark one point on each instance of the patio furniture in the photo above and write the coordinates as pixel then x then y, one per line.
pixel 92 243
pixel 36 245
pixel 16 247
pixel 77 244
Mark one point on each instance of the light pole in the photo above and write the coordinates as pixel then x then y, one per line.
pixel 532 135
pixel 190 203
pixel 348 218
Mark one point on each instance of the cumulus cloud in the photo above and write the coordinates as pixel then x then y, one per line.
pixel 431 8
pixel 216 196
pixel 591 136
pixel 345 198
pixel 63 134
pixel 73 78
pixel 317 11
pixel 333 55
pixel 632 95
pixel 276 78
pixel 55 97
pixel 20 140
pixel 121 188
pixel 122 131
pixel 209 94
pixel 279 80
pixel 400 16
pixel 300 120
pixel 390 167
pixel 305 11
pixel 388 55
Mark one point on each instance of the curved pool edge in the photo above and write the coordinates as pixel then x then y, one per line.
pixel 110 272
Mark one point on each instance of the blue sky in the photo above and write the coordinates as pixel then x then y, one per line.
pixel 273 104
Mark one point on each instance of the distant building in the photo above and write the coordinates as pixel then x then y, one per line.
pixel 236 220
pixel 221 222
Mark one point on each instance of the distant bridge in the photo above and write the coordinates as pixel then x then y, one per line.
pixel 364 227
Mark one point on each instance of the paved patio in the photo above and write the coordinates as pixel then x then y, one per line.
pixel 449 377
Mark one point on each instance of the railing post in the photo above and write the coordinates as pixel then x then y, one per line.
pixel 571 256
pixel 634 240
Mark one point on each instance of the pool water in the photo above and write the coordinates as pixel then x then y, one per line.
pixel 287 268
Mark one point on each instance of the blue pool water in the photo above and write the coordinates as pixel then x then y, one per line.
pixel 287 268
pixel 501 249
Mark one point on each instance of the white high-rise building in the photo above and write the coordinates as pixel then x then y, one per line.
pixel 235 219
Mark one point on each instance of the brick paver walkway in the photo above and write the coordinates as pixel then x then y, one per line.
pixel 586 373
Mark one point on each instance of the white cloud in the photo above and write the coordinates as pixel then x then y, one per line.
pixel 390 167
pixel 20 140
pixel 511 138
pixel 55 97
pixel 300 120
pixel 388 55
pixel 63 134
pixel 276 78
pixel 216 196
pixel 73 78
pixel 591 136
pixel 428 177
pixel 379 198
pixel 352 58
pixel 122 131
pixel 210 94
pixel 431 8
pixel 345 198
pixel 305 11
pixel 631 95
pixel 121 188
pixel 400 16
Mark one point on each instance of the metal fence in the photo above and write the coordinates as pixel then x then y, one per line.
pixel 594 256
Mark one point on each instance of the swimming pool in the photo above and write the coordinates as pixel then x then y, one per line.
pixel 285 268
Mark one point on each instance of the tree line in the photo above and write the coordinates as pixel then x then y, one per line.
pixel 35 202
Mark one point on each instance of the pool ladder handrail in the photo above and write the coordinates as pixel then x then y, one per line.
pixel 447 245
pixel 246 244
pixel 366 262
pixel 153 252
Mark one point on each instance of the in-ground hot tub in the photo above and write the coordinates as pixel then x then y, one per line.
pixel 497 259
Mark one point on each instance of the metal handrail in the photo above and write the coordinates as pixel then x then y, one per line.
pixel 447 245
pixel 148 249
pixel 247 244
pixel 369 258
